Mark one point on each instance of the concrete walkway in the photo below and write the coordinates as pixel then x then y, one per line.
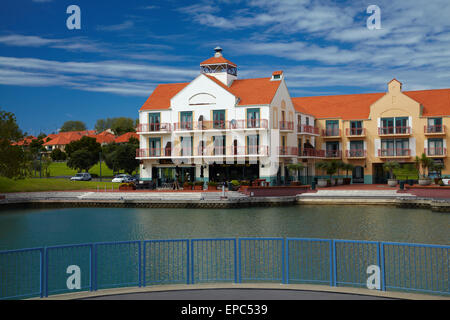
pixel 356 194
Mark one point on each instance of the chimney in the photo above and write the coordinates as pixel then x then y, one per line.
pixel 218 51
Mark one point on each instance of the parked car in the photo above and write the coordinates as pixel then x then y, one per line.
pixel 81 177
pixel 121 178
pixel 446 181
pixel 134 179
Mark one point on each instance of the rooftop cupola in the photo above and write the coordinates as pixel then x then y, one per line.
pixel 219 67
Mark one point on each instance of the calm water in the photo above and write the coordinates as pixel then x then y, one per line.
pixel 35 228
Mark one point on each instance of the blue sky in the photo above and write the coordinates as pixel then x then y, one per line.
pixel 49 74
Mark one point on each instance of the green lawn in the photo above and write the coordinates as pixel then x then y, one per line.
pixel 406 174
pixel 29 185
pixel 59 169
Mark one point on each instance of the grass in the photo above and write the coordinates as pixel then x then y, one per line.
pixel 30 185
pixel 60 169
pixel 406 174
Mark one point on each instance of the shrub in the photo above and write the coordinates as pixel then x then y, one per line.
pixel 235 183
pixel 212 184
pixel 245 183
pixel 198 183
pixel 187 185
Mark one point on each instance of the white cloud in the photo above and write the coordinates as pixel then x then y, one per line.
pixel 117 27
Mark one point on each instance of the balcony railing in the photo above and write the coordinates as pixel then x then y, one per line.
pixel 221 125
pixel 211 151
pixel 356 153
pixel 436 129
pixel 153 127
pixel 394 152
pixel 309 152
pixel 303 128
pixel 287 125
pixel 436 152
pixel 331 132
pixel 333 154
pixel 355 132
pixel 288 151
pixel 383 131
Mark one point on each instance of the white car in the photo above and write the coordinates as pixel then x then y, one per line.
pixel 121 178
pixel 446 182
pixel 81 177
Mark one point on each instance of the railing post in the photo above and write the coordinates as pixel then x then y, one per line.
pixel 143 264
pixel 240 261
pixel 382 265
pixel 92 267
pixel 235 263
pixel 286 259
pixel 140 264
pixel 42 274
pixel 334 263
pixel 190 269
pixel 46 273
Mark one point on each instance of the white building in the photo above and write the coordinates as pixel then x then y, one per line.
pixel 218 127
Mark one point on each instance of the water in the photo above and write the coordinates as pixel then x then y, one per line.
pixel 47 227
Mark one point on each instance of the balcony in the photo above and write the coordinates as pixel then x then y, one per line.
pixel 286 126
pixel 333 154
pixel 394 153
pixel 331 133
pixel 436 152
pixel 154 128
pixel 305 129
pixel 355 132
pixel 356 154
pixel 178 152
pixel 288 151
pixel 394 131
pixel 311 153
pixel 154 153
pixel 221 125
pixel 436 130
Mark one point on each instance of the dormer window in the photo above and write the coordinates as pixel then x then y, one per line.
pixel 277 76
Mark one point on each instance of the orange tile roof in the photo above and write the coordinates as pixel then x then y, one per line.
pixel 352 106
pixel 160 97
pixel 249 91
pixel 103 137
pixel 64 138
pixel 25 141
pixel 219 60
pixel 357 106
pixel 126 137
pixel 435 102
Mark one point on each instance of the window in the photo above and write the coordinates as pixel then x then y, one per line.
pixel 186 146
pixel 219 119
pixel 356 149
pixel 435 147
pixel 434 125
pixel 186 120
pixel 253 118
pixel 395 147
pixel 332 149
pixel 154 146
pixel 332 128
pixel 356 128
pixel 253 144
pixel 394 125
pixel 219 145
pixel 154 122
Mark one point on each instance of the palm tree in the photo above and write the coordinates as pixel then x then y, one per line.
pixel 295 167
pixel 425 163
pixel 390 166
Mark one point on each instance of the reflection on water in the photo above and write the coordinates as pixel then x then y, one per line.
pixel 35 228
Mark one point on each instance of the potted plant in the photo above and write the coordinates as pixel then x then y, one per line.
pixel 212 185
pixel 198 185
pixel 187 185
pixel 339 165
pixel 423 163
pixel 322 166
pixel 389 167
pixel 234 184
pixel 244 185
pixel 127 186
pixel 295 168
pixel 347 167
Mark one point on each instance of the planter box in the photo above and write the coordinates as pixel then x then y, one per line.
pixel 347 180
pixel 340 181
pixel 296 183
pixel 424 182
pixel 212 187
pixel 127 188
pixel 322 183
pixel 392 183
pixel 243 188
pixel 198 187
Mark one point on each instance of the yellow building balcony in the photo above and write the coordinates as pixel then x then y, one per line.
pixel 355 133
pixel 394 153
pixel 437 130
pixel 355 154
pixel 306 129
pixel 331 133
pixel 436 152
pixel 333 154
pixel 394 131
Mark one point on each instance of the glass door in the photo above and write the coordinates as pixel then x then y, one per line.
pixel 387 126
pixel 253 144
pixel 154 145
pixel 219 119
pixel 154 121
pixel 435 147
pixel 356 128
pixel 401 125
pixel 186 120
pixel 387 148
pixel 332 128
pixel 356 148
pixel 253 119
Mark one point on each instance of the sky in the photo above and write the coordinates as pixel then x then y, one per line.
pixel 50 74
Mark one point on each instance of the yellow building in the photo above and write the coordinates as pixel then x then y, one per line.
pixel 367 130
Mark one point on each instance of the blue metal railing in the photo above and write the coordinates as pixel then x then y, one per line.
pixel 41 272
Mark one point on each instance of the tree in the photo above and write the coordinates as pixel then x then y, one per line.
pixel 109 156
pixel 80 160
pixel 296 168
pixel 58 155
pixel 73 126
pixel 425 163
pixel 126 157
pixel 390 166
pixel 12 158
pixel 103 124
pixel 92 151
pixel 122 125
pixel 348 167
